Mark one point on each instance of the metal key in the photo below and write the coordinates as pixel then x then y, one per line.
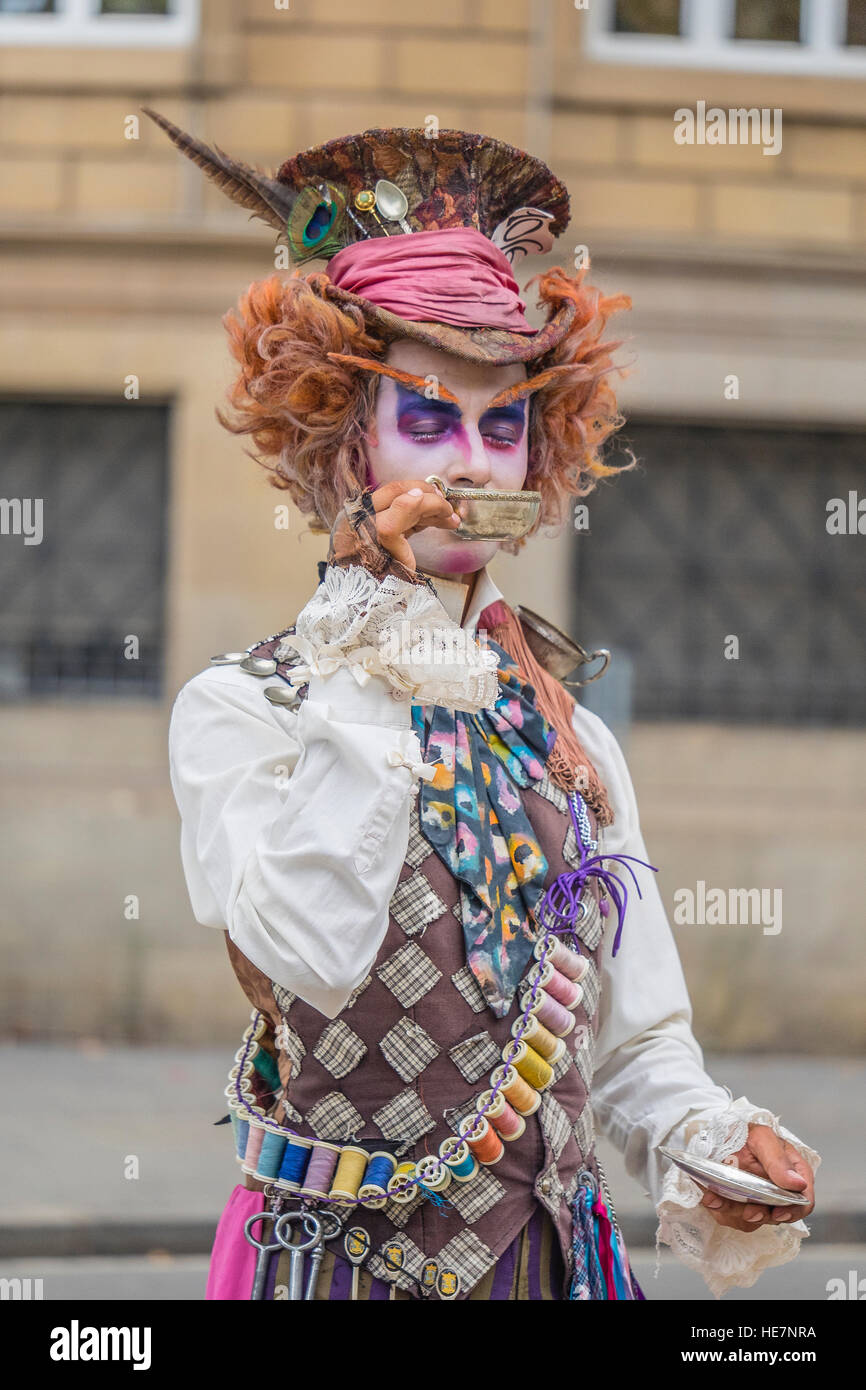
pixel 263 1258
pixel 332 1225
pixel 283 1234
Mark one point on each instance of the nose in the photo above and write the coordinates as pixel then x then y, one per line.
pixel 472 469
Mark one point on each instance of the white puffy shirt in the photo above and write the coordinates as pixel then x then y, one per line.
pixel 295 826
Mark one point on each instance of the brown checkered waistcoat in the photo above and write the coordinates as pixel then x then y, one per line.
pixel 405 1059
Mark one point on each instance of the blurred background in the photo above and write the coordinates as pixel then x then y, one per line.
pixel 744 401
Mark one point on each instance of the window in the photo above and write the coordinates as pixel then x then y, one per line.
pixel 723 533
pixel 97 23
pixel 799 36
pixel 82 548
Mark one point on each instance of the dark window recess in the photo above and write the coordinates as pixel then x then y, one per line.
pixel 723 532
pixel 855 32
pixel 776 21
pixel 647 17
pixel 70 603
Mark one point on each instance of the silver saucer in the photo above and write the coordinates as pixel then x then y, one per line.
pixel 733 1183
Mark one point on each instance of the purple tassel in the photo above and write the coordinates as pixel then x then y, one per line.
pixel 562 899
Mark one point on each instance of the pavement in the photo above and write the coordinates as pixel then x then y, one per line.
pixel 114 1172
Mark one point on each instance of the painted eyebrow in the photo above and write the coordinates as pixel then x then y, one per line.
pixel 532 383
pixel 418 384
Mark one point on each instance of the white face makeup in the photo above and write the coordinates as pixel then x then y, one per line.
pixel 466 444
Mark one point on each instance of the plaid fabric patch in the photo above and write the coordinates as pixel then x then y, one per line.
pixel 552 793
pixel 591 986
pixel 562 1066
pixel 555 1124
pixel 404 1119
pixel 409 974
pixel 455 1116
pixel 464 981
pixel 468 1256
pixel 414 905
pixel 473 1199
pixel 283 998
pixel 291 1043
pixel 408 1048
pixel 357 992
pixel 334 1118
pixel 413 1260
pixel 474 1056
pixel 398 1214
pixel 583 1053
pixel 339 1049
pixel 419 849
pixel 583 1130
pixel 292 1115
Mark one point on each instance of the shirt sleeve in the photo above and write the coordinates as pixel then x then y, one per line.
pixel 295 825
pixel 650 1085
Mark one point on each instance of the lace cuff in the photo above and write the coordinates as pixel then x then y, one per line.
pixel 725 1258
pixel 393 629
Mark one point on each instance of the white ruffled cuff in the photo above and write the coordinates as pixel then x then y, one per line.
pixel 392 629
pixel 725 1258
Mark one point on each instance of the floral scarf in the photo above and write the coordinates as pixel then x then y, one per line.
pixel 473 816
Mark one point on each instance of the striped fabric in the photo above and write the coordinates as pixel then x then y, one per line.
pixel 530 1269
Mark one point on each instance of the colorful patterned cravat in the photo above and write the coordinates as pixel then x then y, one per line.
pixel 473 816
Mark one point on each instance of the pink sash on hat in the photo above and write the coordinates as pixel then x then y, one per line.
pixel 452 276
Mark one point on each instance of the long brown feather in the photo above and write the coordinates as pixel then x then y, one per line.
pixel 264 196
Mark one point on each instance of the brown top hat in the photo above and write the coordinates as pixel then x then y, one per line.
pixel 395 184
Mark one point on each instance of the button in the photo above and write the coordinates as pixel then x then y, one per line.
pixel 399 694
pixel 545 1186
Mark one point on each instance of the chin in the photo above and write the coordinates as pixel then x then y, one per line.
pixel 457 557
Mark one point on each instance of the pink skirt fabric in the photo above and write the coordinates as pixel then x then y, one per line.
pixel 233 1259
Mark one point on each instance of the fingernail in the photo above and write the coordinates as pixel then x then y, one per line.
pixel 714 1202
pixel 757 1217
pixel 792 1173
pixel 416 492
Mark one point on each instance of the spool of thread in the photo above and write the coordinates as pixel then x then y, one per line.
pixel 530 1065
pixel 504 1119
pixel 539 1037
pixel 254 1147
pixel 552 1015
pixel 482 1140
pixel 397 1190
pixel 241 1132
pixel 433 1174
pixel 293 1165
pixel 271 1155
pixel 558 986
pixel 320 1170
pixel 374 1189
pixel 351 1167
pixel 567 961
pixel 461 1162
pixel 519 1094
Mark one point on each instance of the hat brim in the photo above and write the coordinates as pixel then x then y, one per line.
pixel 494 346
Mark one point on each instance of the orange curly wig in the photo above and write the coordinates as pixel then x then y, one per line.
pixel 308 415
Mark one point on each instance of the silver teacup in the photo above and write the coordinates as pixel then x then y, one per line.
pixel 490 516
